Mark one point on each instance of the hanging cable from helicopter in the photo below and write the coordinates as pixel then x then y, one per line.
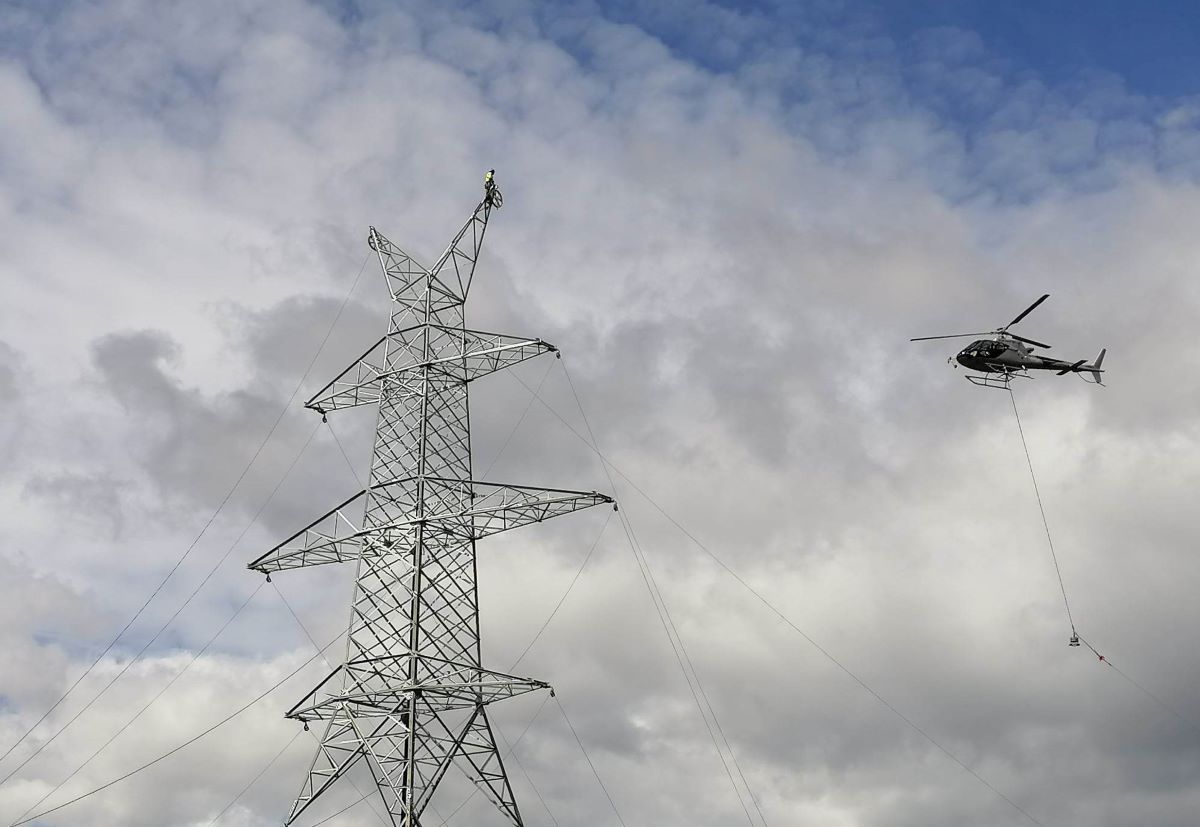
pixel 1074 639
pixel 999 359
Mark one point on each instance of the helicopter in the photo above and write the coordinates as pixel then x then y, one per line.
pixel 1010 355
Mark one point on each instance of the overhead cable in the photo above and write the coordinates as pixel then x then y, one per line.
pixel 195 541
pixel 588 758
pixel 255 779
pixel 1134 683
pixel 1076 638
pixel 787 621
pixel 512 753
pixel 183 745
pixel 686 666
pixel 563 599
pixel 162 628
pixel 195 657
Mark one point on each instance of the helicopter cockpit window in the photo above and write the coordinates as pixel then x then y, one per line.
pixel 986 349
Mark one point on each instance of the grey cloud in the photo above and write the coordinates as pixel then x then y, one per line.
pixel 191 446
pixel 12 426
pixel 43 622
pixel 96 496
pixel 732 263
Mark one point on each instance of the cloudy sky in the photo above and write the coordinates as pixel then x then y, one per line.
pixel 730 218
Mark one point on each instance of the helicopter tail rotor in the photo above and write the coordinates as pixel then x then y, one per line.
pixel 1094 367
pixel 1082 367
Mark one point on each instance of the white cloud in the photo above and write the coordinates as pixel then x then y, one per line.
pixel 732 260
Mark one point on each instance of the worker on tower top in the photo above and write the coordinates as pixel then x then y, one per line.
pixel 490 193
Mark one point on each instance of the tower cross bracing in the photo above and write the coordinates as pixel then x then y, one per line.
pixel 411 698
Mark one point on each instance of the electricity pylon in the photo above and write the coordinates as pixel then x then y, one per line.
pixel 411 698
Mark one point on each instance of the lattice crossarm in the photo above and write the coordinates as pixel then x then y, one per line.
pixel 478 353
pixel 474 354
pixel 468 497
pixel 465 695
pixel 332 538
pixel 364 705
pixel 457 690
pixel 357 385
pixel 299 712
pixel 336 754
pixel 362 382
pixel 478 509
pixel 361 679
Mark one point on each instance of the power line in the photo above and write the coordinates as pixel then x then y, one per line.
pixel 255 779
pixel 672 632
pixel 521 419
pixel 199 653
pixel 1129 678
pixel 588 758
pixel 513 754
pixel 695 687
pixel 345 456
pixel 779 613
pixel 165 625
pixel 702 702
pixel 179 747
pixel 147 705
pixel 363 797
pixel 563 599
pixel 187 552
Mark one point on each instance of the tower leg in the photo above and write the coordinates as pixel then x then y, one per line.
pixel 479 758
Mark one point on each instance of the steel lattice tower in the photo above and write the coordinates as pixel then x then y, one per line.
pixel 411 698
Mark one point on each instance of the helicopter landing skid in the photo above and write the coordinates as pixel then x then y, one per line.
pixel 1000 382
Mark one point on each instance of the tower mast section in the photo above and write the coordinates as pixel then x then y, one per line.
pixel 411 698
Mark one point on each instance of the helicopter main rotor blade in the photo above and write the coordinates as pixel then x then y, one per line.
pixel 951 336
pixel 1026 312
pixel 1027 341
